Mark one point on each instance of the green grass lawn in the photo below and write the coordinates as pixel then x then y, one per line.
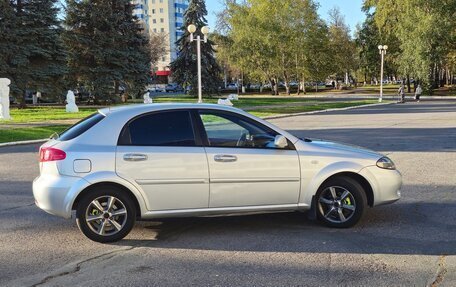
pixel 242 102
pixel 43 114
pixel 35 133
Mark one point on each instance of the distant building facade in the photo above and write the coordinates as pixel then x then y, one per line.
pixel 163 17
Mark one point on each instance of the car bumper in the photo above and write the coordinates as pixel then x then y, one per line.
pixel 53 193
pixel 386 184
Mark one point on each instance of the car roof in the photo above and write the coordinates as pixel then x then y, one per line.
pixel 134 110
pixel 144 108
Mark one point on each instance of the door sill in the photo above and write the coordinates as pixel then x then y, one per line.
pixel 222 210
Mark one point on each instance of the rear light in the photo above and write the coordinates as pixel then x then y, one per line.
pixel 51 154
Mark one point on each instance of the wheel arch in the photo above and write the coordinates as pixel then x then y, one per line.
pixel 358 178
pixel 108 184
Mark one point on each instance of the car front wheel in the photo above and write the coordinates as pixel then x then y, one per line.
pixel 106 214
pixel 341 202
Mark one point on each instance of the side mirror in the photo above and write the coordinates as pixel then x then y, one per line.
pixel 280 141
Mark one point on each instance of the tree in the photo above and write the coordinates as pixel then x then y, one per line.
pixel 367 41
pixel 31 51
pixel 425 33
pixel 107 47
pixel 341 45
pixel 287 43
pixel 184 68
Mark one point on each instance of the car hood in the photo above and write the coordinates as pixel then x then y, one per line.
pixel 344 148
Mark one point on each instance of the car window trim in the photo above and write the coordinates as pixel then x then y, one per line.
pixel 205 140
pixel 126 130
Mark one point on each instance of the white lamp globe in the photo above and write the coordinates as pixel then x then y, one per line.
pixel 191 28
pixel 205 30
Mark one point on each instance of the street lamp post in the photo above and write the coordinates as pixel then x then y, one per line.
pixel 205 30
pixel 382 50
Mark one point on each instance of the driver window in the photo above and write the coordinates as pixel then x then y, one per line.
pixel 225 130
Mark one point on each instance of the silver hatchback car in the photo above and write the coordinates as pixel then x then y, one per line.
pixel 168 160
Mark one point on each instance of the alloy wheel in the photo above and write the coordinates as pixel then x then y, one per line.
pixel 336 204
pixel 106 215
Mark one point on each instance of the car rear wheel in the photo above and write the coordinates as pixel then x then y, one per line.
pixel 106 214
pixel 341 202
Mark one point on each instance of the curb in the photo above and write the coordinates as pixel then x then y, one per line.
pixel 22 142
pixel 265 118
pixel 324 111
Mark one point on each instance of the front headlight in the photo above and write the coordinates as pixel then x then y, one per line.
pixel 386 163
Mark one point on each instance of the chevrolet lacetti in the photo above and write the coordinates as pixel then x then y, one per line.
pixel 174 160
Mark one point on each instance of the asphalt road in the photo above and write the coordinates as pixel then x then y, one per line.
pixel 412 242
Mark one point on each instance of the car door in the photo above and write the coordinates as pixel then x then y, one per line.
pixel 160 152
pixel 245 167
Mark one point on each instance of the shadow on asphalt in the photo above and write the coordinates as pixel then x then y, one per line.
pixel 33 148
pixel 401 228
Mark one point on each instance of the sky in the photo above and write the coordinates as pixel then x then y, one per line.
pixel 351 9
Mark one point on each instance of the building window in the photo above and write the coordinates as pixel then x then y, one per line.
pixel 153 11
pixel 162 20
pixel 163 59
pixel 155 30
pixel 162 30
pixel 161 10
pixel 154 21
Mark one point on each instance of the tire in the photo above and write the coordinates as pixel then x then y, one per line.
pixel 346 209
pixel 106 225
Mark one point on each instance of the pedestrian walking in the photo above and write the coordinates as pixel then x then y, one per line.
pixel 418 92
pixel 401 94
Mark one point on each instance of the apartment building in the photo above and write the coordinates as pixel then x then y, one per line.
pixel 163 17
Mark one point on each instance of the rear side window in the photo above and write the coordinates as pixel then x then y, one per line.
pixel 160 129
pixel 81 127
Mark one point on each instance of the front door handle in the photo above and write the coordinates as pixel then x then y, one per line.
pixel 225 158
pixel 135 157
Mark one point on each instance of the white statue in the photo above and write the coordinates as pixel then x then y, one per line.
pixel 71 103
pixel 233 97
pixel 147 98
pixel 225 102
pixel 4 99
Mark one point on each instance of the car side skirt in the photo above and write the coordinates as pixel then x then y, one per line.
pixel 224 211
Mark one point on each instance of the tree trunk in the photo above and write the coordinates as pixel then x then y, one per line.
pixel 287 85
pixel 304 86
pixel 287 88
pixel 21 85
pixel 276 87
pixel 299 87
pixel 408 84
pixel 116 88
pixel 272 83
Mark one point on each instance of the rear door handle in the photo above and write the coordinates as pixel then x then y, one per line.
pixel 225 158
pixel 135 157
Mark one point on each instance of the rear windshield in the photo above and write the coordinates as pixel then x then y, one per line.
pixel 81 127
